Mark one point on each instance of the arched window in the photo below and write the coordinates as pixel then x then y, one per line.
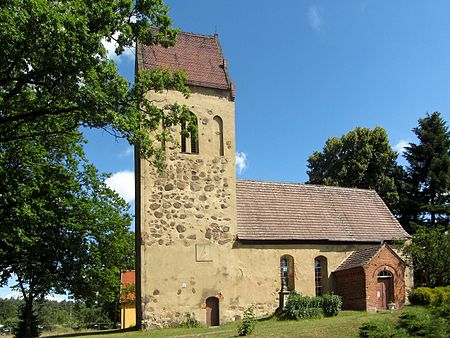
pixel 385 274
pixel 320 274
pixel 189 136
pixel 287 272
pixel 219 135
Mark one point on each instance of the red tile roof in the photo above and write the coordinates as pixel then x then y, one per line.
pixel 128 277
pixel 359 258
pixel 362 257
pixel 285 211
pixel 127 280
pixel 200 56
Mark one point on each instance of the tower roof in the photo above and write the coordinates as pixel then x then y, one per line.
pixel 285 211
pixel 200 56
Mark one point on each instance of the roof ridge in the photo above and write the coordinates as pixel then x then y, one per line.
pixel 199 35
pixel 306 185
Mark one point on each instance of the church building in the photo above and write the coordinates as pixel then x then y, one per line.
pixel 212 245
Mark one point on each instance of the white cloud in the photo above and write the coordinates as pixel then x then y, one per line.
pixel 111 50
pixel 122 182
pixel 14 294
pixel 241 162
pixel 127 152
pixel 57 298
pixel 314 18
pixel 400 146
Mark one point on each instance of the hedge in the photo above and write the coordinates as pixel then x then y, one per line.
pixel 430 296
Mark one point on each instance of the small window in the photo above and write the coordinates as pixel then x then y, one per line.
pixel 219 135
pixel 385 274
pixel 189 136
pixel 287 273
pixel 320 274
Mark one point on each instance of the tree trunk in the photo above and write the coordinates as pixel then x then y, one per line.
pixel 28 318
pixel 115 314
pixel 28 326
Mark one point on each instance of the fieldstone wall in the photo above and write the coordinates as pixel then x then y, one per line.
pixel 189 202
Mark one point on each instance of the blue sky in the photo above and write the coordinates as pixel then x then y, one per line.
pixel 309 70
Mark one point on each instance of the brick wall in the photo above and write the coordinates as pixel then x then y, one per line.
pixel 386 259
pixel 350 285
pixel 359 286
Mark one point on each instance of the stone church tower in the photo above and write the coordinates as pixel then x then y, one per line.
pixel 186 216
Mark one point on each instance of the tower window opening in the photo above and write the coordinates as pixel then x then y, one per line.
pixel 189 136
pixel 219 135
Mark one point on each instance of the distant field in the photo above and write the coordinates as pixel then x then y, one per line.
pixel 346 324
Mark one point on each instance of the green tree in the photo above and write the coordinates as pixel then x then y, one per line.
pixel 430 249
pixel 55 76
pixel 424 202
pixel 61 228
pixel 8 309
pixel 425 199
pixel 362 158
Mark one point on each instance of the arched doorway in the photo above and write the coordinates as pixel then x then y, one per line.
pixel 212 311
pixel 385 289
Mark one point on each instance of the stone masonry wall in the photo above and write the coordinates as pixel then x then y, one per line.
pixel 188 213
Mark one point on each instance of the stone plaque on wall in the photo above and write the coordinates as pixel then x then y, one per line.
pixel 203 253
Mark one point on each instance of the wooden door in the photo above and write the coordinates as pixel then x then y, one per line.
pixel 385 291
pixel 212 311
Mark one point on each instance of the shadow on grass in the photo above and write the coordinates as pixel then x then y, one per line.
pixel 93 333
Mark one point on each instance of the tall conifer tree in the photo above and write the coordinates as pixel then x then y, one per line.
pixel 427 184
pixel 424 201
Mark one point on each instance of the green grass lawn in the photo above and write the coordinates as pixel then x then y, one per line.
pixel 346 324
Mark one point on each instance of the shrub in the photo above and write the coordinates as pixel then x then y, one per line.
pixel 437 327
pixel 414 322
pixel 430 296
pixel 421 296
pixel 381 329
pixel 331 305
pixel 190 321
pixel 443 311
pixel 441 295
pixel 302 307
pixel 427 322
pixel 248 323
